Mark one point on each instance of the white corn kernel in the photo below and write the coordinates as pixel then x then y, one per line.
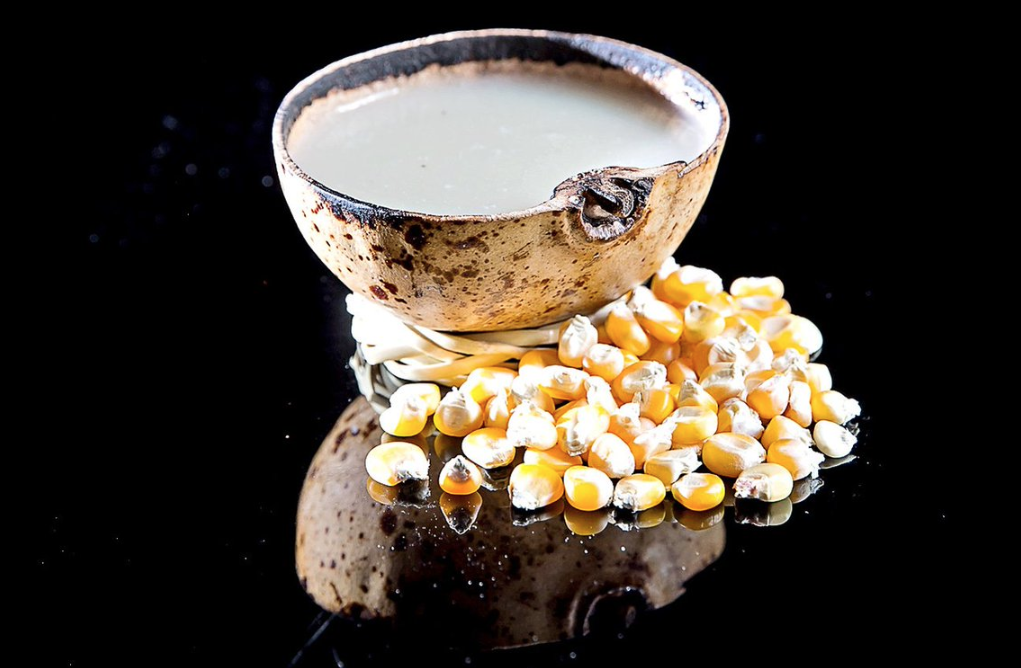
pixel 764 482
pixel 611 455
pixel 670 465
pixel 576 340
pixel 832 439
pixel 738 417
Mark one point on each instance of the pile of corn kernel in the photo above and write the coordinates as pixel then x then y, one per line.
pixel 683 386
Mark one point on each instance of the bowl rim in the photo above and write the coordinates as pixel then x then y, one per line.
pixel 559 200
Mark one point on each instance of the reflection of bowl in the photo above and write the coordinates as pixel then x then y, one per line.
pixel 600 234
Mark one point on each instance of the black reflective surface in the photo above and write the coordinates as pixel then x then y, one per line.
pixel 191 356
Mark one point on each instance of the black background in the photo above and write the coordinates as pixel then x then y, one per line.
pixel 188 350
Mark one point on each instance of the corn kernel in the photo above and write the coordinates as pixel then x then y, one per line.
pixel 630 358
pixel 485 382
pixel 586 522
pixel 755 378
pixel 699 491
pixel 599 394
pixel 531 427
pixel 661 352
pixel 625 332
pixel 692 394
pixel 678 372
pixel 723 303
pixel 587 488
pixel 792 362
pixel 659 319
pixel 576 340
pixel 754 286
pixel 650 442
pixel 716 350
pixel 738 417
pixel 638 377
pixel 603 361
pixel 702 322
pixel 792 331
pixel 795 456
pixel 457 414
pixel 611 455
pixel 693 424
pixel 741 319
pixel 800 407
pixel 764 306
pixel 396 462
pixel 579 427
pixel 723 381
pixel 638 492
pixel 626 423
pixel 665 270
pixel 537 360
pixel 405 419
pixel 783 428
pixel 655 404
pixel 427 393
pixel 764 482
pixel 496 412
pixel 460 476
pixel 562 383
pixel 460 511
pixel 488 447
pixel 602 336
pixel 818 377
pixel 563 409
pixel 688 284
pixel 727 454
pixel 554 458
pixel 670 465
pixel 533 486
pixel 834 407
pixel 832 439
pixel 525 389
pixel 771 397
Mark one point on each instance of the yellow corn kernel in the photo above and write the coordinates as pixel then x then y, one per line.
pixel 795 456
pixel 611 455
pixel 630 358
pixel 670 465
pixel 655 404
pixel 553 458
pixel 723 303
pixel 771 397
pixel 458 414
pixel 396 462
pixel 531 427
pixel 537 360
pixel 702 322
pixel 736 416
pixel 689 284
pixel 662 352
pixel 659 319
pixel 832 439
pixel 700 520
pixel 488 447
pixel 638 492
pixel 406 418
pixel 834 407
pixel 780 428
pixel 727 454
pixel 650 442
pixel 755 378
pixel 677 372
pixel 446 447
pixel 665 270
pixel 598 393
pixel 792 331
pixel 460 511
pixel 625 332
pixel 382 494
pixel 791 362
pixel 586 522
pixel 524 389
pixel 764 306
pixel 723 381
pixel 496 412
pixel 636 378
pixel 485 382
pixel 717 350
pixel 603 361
pixel 699 491
pixel 575 341
pixel 603 337
pixel 427 393
pixel 579 427
pixel 764 482
pixel 533 486
pixel 626 423
pixel 569 406
pixel 818 377
pixel 562 383
pixel 693 424
pixel 587 488
pixel 741 319
pixel 692 394
pixel 754 286
pixel 460 476
pixel 799 408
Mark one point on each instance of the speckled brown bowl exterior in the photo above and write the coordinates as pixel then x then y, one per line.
pixel 599 235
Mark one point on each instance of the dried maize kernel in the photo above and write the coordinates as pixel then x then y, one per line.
pixel 755 378
pixel 790 361
pixel 626 423
pixel 689 283
pixel 659 319
pixel 764 482
pixel 638 492
pixel 764 514
pixel 603 337
pixel 638 377
pixel 460 476
pixel 460 511
pixel 771 397
pixel 457 414
pixel 723 303
pixel 832 439
pixel 693 394
pixel 783 428
pixel 611 455
pixel 834 407
pixel 727 454
pixel 655 404
pixel 524 389
pixel 818 377
pixel 625 332
pixel 427 393
pixel 792 331
pixel 396 462
pixel 569 406
pixel 576 340
pixel 764 306
pixel 800 407
pixel 754 286
pixel 496 412
pixel 693 424
pixel 702 322
pixel 678 372
pixel 723 381
pixel 586 522
pixel 537 360
pixel 485 382
pixel 488 447
pixel 661 352
pixel 717 350
pixel 742 319
pixel 579 427
pixel 668 267
pixel 670 465
pixel 603 361
pixel 562 383
pixel 406 418
pixel 531 427
pixel 738 417
pixel 554 458
pixel 650 442
pixel 795 456
pixel 533 486
pixel 630 358
pixel 700 520
pixel 699 491
pixel 587 488
pixel 599 394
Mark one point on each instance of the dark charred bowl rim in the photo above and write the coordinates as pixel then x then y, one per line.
pixel 600 49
